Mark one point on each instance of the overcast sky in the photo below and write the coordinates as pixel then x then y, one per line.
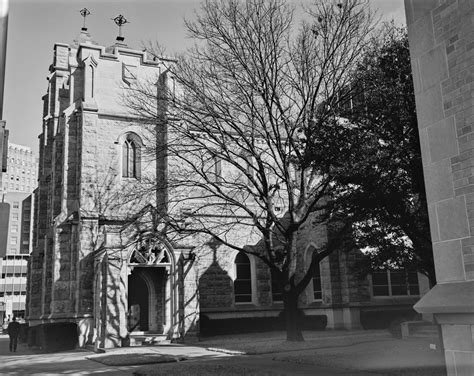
pixel 35 25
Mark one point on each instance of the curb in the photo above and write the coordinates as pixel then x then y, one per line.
pixel 225 351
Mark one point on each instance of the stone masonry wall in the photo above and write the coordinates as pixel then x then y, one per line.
pixel 441 35
pixel 215 272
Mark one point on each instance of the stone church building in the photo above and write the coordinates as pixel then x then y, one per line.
pixel 90 268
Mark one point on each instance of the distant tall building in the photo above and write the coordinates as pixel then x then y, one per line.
pixel 16 188
pixel 21 174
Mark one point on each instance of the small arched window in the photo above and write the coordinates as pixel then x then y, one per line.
pixel 243 279
pixel 315 287
pixel 217 169
pixel 130 158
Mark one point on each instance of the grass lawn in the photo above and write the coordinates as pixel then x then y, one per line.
pixel 371 353
pixel 387 357
pixel 273 342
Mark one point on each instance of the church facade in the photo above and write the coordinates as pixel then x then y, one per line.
pixel 94 267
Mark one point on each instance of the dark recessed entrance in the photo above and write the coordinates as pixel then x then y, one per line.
pixel 138 298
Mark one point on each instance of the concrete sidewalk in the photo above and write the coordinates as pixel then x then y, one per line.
pixel 84 362
pixel 27 362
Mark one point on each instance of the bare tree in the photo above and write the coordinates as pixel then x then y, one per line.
pixel 238 122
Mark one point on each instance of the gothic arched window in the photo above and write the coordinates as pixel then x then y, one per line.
pixel 130 158
pixel 315 287
pixel 243 279
pixel 316 283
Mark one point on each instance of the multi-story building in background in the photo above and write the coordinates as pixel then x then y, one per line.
pixel 17 185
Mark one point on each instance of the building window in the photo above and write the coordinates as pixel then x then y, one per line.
pixel 395 283
pixel 315 290
pixel 243 279
pixel 316 283
pixel 13 240
pixel 217 162
pixel 16 204
pixel 14 228
pixel 277 293
pixel 130 158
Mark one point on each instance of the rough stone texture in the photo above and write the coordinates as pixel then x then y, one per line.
pixel 442 51
pixel 79 177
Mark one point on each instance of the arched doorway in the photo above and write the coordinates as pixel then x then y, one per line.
pixel 138 302
pixel 150 295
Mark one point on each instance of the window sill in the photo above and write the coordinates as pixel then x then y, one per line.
pixel 315 302
pixel 244 304
pixel 396 297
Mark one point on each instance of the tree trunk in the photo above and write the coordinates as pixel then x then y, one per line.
pixel 292 317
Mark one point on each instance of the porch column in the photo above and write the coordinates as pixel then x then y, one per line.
pixel 112 302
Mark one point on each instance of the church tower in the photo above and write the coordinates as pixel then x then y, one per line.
pixel 87 267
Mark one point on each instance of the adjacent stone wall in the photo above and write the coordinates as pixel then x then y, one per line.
pixel 441 35
pixel 344 292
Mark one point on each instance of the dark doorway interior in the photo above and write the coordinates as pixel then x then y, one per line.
pixel 138 295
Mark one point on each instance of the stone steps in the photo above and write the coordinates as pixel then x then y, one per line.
pixel 419 329
pixel 148 339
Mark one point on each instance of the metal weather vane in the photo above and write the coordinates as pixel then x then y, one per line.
pixel 120 21
pixel 84 13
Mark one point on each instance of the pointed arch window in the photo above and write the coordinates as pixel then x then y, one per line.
pixel 316 283
pixel 217 169
pixel 130 158
pixel 243 279
pixel 315 287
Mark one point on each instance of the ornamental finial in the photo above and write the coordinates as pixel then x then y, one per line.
pixel 120 21
pixel 84 13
